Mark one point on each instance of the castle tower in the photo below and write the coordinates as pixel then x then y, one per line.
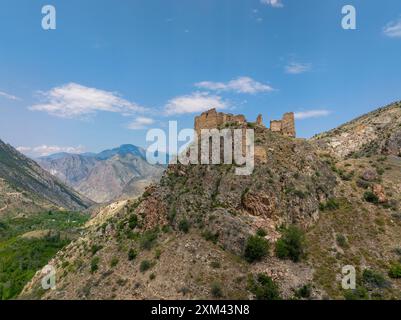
pixel 288 125
pixel 259 120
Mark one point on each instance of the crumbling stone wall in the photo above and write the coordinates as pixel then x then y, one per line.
pixel 212 119
pixel 286 126
pixel 275 125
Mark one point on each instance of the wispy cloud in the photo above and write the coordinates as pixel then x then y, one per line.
pixel 297 68
pixel 140 123
pixel 312 114
pixel 8 96
pixel 194 103
pixel 239 85
pixel 393 29
pixel 75 101
pixel 45 150
pixel 272 3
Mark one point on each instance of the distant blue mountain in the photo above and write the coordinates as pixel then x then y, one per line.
pixel 104 155
pixel 122 151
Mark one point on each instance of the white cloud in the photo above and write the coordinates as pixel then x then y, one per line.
pixel 239 85
pixel 45 150
pixel 311 114
pixel 74 101
pixel 140 123
pixel 8 96
pixel 272 3
pixel 297 68
pixel 195 102
pixel 393 29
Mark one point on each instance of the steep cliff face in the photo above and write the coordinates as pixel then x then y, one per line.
pixel 25 185
pixel 378 132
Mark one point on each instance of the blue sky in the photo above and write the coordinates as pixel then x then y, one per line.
pixel 113 69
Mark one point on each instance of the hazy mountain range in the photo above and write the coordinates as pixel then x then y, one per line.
pixel 110 174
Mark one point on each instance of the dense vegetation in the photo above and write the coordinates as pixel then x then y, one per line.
pixel 256 248
pixel 21 256
pixel 291 244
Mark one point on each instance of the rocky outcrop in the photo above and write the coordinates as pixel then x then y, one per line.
pixel 379 192
pixel 377 132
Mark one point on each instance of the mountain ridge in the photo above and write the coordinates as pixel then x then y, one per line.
pixel 107 175
pixel 30 181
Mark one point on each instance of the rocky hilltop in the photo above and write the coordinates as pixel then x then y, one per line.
pixel 378 132
pixel 25 186
pixel 117 173
pixel 285 231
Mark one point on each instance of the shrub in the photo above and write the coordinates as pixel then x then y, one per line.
pixel 300 194
pixel 291 244
pixel 114 261
pixel 304 292
pixel 216 290
pixel 95 248
pixel 374 278
pixel 152 276
pixel 369 196
pixel 145 265
pixel 184 225
pixel 363 184
pixel 158 253
pixel 256 248
pixel 133 221
pixel 395 271
pixel 95 264
pixel 131 254
pixel 215 264
pixel 264 288
pixel 148 239
pixel 341 241
pixel 210 236
pixel 261 232
pixel 331 204
pixel 360 293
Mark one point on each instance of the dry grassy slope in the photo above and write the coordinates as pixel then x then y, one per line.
pixel 286 187
pixel 377 132
pixel 372 232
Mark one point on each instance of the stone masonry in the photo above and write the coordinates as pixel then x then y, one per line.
pixel 286 126
pixel 212 119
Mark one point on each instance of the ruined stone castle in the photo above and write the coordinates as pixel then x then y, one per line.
pixel 212 119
